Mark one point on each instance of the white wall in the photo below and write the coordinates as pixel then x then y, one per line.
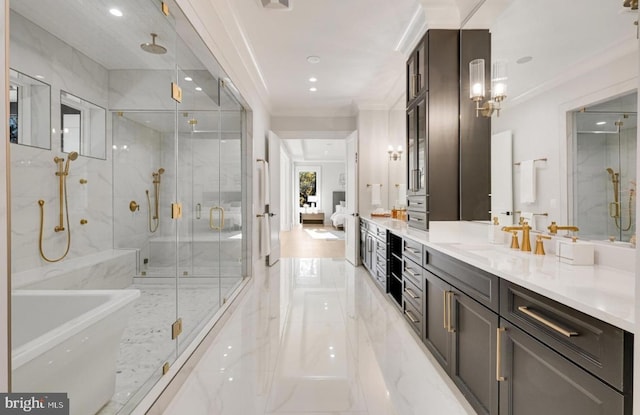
pixel 539 126
pixel 377 129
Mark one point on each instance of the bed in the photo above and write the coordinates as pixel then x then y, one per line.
pixel 339 210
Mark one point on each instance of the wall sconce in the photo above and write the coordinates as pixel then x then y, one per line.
pixel 395 155
pixel 477 88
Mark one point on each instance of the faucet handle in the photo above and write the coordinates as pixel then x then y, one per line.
pixel 540 245
pixel 514 240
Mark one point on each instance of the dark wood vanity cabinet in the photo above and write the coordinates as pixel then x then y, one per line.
pixel 446 148
pixel 461 334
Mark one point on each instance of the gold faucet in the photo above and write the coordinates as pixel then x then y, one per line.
pixel 525 246
pixel 554 228
pixel 540 245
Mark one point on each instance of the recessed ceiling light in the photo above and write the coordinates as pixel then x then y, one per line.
pixel 39 76
pixel 188 78
pixel 601 123
pixel 313 89
pixel 313 59
pixel 313 79
pixel 525 59
pixel 198 88
pixel 116 12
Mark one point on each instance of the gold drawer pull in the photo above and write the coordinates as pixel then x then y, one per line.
pixel 412 251
pixel 410 272
pixel 547 323
pixel 450 296
pixel 411 317
pixel 411 293
pixel 499 376
pixel 445 300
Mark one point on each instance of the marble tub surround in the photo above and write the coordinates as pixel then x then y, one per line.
pixel 601 291
pixel 316 336
pixel 110 269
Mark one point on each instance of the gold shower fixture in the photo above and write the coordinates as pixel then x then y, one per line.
pixel 614 207
pixel 154 218
pixel 62 173
pixel 632 4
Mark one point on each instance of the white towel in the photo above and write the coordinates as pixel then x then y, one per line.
pixel 265 235
pixel 402 195
pixel 375 194
pixel 527 181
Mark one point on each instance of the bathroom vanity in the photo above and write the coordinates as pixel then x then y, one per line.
pixel 517 333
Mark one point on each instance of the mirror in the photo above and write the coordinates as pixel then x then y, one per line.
pixel 29 111
pixel 83 126
pixel 604 180
pixel 560 58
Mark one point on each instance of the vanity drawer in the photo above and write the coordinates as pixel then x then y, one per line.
pixel 381 234
pixel 417 219
pixel 413 316
pixel 412 250
pixel 364 224
pixel 476 283
pixel 418 203
pixel 596 346
pixel 412 294
pixel 413 272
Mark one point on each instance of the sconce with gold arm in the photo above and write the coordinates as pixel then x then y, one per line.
pixel 477 87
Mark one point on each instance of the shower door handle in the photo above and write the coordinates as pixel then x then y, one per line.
pixel 220 223
pixel 198 211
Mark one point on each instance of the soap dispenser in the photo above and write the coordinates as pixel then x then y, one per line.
pixel 496 235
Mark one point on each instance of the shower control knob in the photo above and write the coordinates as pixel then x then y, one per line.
pixel 83 221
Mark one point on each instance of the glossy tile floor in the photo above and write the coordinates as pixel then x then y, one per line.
pixel 316 336
pixel 298 243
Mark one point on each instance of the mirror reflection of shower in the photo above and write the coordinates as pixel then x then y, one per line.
pixel 614 207
pixel 604 169
pixel 154 214
pixel 62 173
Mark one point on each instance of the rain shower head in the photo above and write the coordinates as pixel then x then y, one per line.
pixel 153 47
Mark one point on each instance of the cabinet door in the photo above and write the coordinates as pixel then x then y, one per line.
pixel 421 67
pixel 421 148
pixel 540 381
pixel 411 151
pixel 411 76
pixel 436 336
pixel 473 367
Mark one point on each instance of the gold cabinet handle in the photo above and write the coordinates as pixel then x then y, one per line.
pixel 411 316
pixel 221 218
pixel 412 251
pixel 411 293
pixel 410 272
pixel 551 325
pixel 499 376
pixel 445 300
pixel 450 296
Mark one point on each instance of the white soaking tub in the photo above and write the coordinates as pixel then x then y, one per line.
pixel 68 341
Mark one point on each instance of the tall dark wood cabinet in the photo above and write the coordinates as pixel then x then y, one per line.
pixel 447 151
pixel 475 132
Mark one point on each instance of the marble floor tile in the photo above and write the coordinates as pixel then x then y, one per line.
pixel 316 336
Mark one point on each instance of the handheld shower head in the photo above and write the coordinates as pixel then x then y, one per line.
pixel 610 171
pixel 160 170
pixel 72 156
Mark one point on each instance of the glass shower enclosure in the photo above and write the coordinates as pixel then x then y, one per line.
pixel 604 175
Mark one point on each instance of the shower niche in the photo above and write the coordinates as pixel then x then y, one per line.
pixel 604 169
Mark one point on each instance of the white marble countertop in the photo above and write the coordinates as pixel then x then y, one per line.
pixel 603 292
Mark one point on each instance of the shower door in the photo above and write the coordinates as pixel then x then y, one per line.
pixel 210 191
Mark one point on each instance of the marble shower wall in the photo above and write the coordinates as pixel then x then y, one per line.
pixel 36 52
pixel 595 153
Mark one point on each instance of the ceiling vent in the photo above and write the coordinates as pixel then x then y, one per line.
pixel 277 4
